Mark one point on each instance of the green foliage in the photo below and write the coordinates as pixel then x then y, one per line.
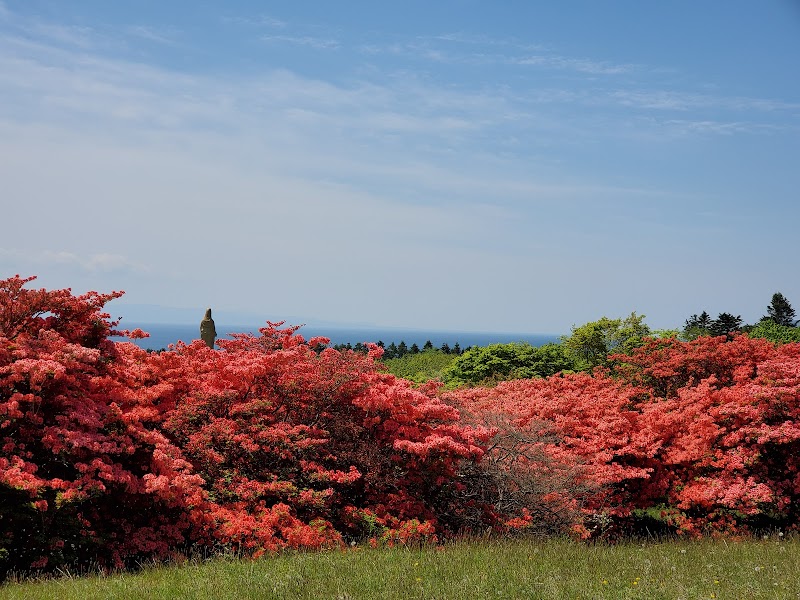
pixel 498 362
pixel 665 333
pixel 590 344
pixel 697 325
pixel 778 334
pixel 420 367
pixel 703 325
pixel 726 324
pixel 400 350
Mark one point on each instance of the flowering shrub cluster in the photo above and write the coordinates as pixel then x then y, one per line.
pixel 110 455
pixel 701 437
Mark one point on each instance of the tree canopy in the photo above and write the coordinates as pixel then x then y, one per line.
pixel 517 360
pixel 703 325
pixel 590 344
pixel 780 311
pixel 777 334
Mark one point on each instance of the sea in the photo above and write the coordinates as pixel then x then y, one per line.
pixel 163 335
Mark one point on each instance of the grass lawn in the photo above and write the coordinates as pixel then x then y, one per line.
pixel 471 570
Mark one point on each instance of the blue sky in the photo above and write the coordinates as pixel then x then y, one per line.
pixel 457 165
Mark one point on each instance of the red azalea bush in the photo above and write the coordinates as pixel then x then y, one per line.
pixel 696 437
pixel 725 417
pixel 77 466
pixel 338 448
pixel 110 455
pixel 566 456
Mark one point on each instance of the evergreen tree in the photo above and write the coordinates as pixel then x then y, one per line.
pixel 414 349
pixel 726 324
pixel 402 349
pixel 446 348
pixel 780 311
pixel 428 346
pixel 456 348
pixel 391 351
pixel 697 325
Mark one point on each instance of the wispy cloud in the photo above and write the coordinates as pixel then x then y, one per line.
pixel 153 34
pixel 581 65
pixel 481 50
pixel 713 127
pixel 478 39
pixel 64 34
pixel 677 100
pixel 305 40
pixel 257 21
pixel 92 263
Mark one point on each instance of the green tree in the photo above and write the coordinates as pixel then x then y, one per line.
pixel 778 334
pixel 697 325
pixel 497 362
pixel 726 324
pixel 402 349
pixel 414 349
pixel 780 311
pixel 428 346
pixel 589 345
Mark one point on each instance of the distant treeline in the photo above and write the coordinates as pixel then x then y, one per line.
pixel 400 350
pixel 601 343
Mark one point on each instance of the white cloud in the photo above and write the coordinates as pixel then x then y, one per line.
pixel 46 259
pixel 153 34
pixel 313 42
pixel 258 21
pixel 70 35
pixel 717 127
pixel 687 101
pixel 449 48
pixel 581 65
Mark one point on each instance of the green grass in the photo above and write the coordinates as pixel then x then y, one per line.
pixel 469 570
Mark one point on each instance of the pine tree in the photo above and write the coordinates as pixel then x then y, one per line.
pixel 697 325
pixel 726 324
pixel 780 311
